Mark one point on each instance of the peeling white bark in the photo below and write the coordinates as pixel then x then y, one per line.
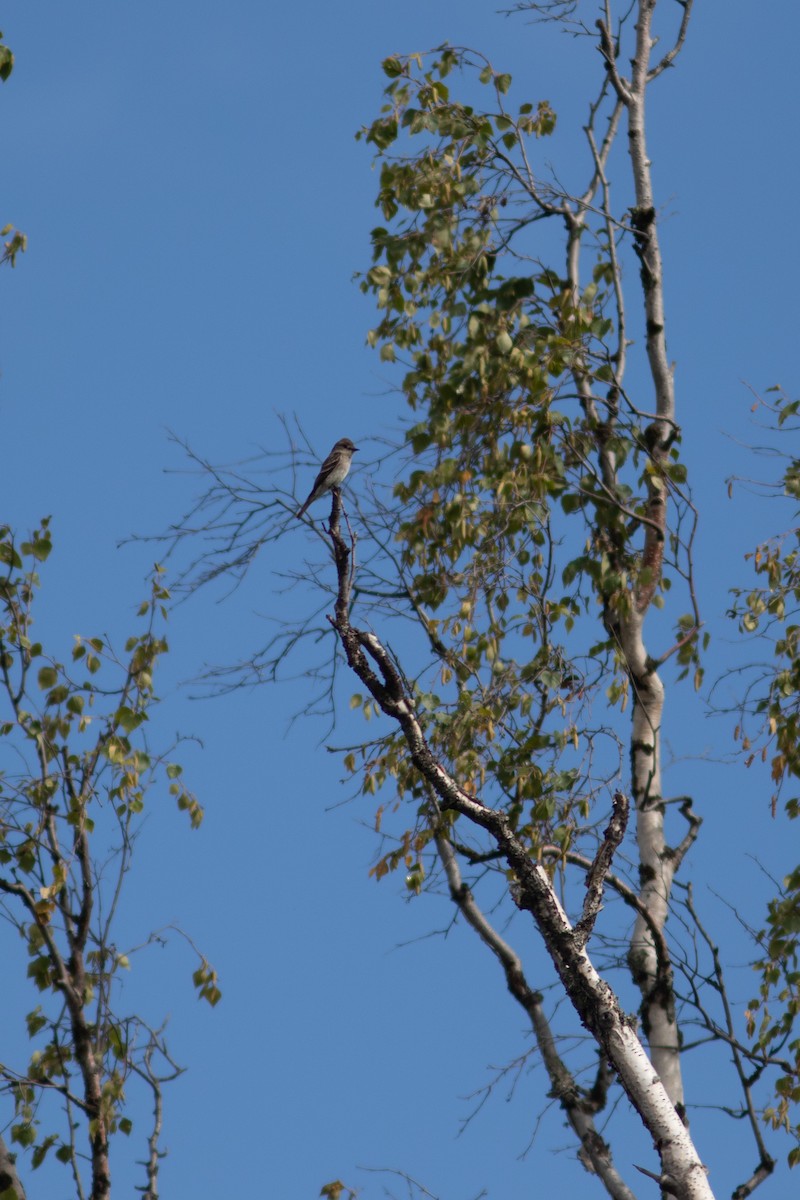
pixel 656 860
pixel 682 1172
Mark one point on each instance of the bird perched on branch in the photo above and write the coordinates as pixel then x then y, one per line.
pixel 332 472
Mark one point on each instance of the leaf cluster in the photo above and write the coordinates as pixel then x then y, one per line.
pixel 771 611
pixel 75 771
pixel 509 536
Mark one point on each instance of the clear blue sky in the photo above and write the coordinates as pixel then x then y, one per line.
pixel 196 205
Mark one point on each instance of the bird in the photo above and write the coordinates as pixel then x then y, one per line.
pixel 332 472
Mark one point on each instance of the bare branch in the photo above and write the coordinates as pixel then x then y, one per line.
pixel 608 50
pixel 766 1163
pixel 595 1151
pixel 595 1003
pixel 672 54
pixel 600 867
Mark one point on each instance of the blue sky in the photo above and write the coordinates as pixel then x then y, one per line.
pixel 196 205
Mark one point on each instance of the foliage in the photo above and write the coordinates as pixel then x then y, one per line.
pixel 515 372
pixel 337 1190
pixel 770 728
pixel 493 560
pixel 538 515
pixel 17 244
pixel 76 772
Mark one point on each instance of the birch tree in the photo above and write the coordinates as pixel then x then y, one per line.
pixel 75 771
pixel 538 518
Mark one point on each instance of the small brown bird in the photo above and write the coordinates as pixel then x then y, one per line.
pixel 332 472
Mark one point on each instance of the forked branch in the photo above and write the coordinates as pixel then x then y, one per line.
pixel 593 999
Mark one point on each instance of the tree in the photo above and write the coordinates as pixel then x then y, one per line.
pixel 73 787
pixel 75 772
pixel 540 519
pixel 769 719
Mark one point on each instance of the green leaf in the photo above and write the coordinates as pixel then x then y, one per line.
pixel 9 555
pixel 39 548
pixel 117 1043
pixel 6 63
pixel 24 1135
pixel 35 1021
pixel 128 719
pixel 47 677
pixel 676 472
